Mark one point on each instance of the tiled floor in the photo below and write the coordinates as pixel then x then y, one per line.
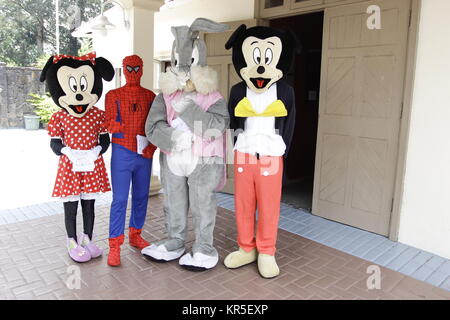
pixel 410 261
pixel 34 264
pixel 41 210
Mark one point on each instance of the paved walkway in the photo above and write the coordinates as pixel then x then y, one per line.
pixel 26 203
pixel 34 264
pixel 419 264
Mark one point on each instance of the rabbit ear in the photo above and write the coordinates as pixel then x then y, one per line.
pixel 174 31
pixel 206 25
pixel 230 43
pixel 180 33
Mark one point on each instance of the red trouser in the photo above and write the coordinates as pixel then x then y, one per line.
pixel 257 183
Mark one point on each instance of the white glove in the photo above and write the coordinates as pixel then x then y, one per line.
pixel 180 125
pixel 185 100
pixel 68 152
pixel 183 140
pixel 94 152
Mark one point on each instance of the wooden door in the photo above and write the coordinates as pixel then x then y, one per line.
pixel 359 115
pixel 220 59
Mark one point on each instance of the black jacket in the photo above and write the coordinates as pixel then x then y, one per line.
pixel 284 125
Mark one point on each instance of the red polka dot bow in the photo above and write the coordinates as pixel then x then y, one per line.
pixel 90 56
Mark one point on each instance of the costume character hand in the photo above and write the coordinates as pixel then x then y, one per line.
pixel 94 152
pixel 115 127
pixel 185 100
pixel 148 151
pixel 69 153
pixel 183 140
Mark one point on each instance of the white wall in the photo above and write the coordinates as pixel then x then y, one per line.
pixel 115 46
pixel 217 10
pixel 121 42
pixel 143 42
pixel 425 214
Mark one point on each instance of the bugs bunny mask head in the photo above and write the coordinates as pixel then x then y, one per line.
pixel 189 71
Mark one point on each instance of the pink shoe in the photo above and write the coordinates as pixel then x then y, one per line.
pixel 90 246
pixel 77 252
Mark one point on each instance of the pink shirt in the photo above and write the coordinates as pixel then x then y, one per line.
pixel 203 147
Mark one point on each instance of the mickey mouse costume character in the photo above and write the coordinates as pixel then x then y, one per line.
pixel 131 163
pixel 188 122
pixel 262 113
pixel 77 136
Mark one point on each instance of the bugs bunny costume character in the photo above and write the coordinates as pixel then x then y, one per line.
pixel 187 121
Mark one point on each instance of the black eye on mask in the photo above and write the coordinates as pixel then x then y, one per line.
pixel 135 69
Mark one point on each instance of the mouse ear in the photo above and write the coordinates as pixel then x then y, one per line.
pixel 236 34
pixel 104 68
pixel 46 67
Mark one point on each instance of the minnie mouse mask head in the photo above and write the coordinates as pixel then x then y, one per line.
pixel 75 83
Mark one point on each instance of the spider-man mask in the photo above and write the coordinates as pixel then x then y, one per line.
pixel 132 69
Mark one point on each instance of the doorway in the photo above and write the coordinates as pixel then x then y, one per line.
pixel 304 77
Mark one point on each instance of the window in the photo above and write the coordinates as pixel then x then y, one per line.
pixel 273 3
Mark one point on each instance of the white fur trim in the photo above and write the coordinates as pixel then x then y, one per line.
pixel 82 196
pixel 169 83
pixel 205 79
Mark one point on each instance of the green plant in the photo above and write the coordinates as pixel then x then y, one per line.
pixel 86 46
pixel 41 61
pixel 44 106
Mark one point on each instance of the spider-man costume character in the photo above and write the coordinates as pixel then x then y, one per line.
pixel 126 112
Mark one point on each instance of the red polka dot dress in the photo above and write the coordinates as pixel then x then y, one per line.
pixel 79 134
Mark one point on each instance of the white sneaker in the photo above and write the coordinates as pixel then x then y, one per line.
pixel 160 253
pixel 199 261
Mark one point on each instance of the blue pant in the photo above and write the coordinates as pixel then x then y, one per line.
pixel 128 167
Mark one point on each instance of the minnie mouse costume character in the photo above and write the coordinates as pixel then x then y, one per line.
pixel 78 137
pixel 126 112
pixel 262 113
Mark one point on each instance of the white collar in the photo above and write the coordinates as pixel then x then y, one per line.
pixel 260 101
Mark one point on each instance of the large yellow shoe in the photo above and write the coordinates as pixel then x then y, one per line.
pixel 267 266
pixel 240 258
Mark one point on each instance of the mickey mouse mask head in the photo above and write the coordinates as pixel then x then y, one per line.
pixel 75 83
pixel 261 55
